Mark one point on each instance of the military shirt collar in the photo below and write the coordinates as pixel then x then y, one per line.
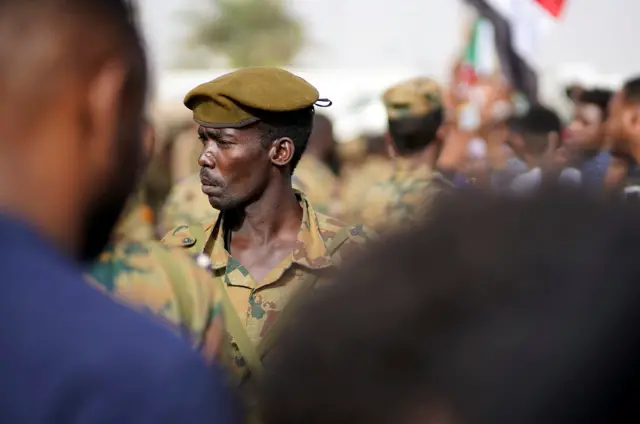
pixel 310 251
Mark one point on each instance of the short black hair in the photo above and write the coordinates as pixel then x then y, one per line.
pixel 447 312
pixel 536 126
pixel 296 125
pixel 631 89
pixel 412 134
pixel 597 97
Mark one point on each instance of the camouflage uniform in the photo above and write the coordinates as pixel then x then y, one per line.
pixel 140 271
pixel 318 182
pixel 259 303
pixel 402 197
pixel 357 184
pixel 187 204
pixel 137 220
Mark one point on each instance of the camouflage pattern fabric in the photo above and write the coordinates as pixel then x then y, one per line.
pixel 400 200
pixel 358 183
pixel 258 303
pixel 317 182
pixel 137 220
pixel 166 283
pixel 187 205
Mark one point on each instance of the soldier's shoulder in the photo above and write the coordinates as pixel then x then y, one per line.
pixel 186 236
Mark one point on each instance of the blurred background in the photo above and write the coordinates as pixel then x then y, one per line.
pixel 353 49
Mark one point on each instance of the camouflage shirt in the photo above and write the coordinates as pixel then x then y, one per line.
pixel 152 278
pixel 137 221
pixel 401 199
pixel 356 186
pixel 317 182
pixel 258 303
pixel 186 205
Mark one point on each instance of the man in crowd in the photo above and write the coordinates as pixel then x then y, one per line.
pixel 585 144
pixel 317 179
pixel 268 245
pixel 73 79
pixel 624 132
pixel 137 269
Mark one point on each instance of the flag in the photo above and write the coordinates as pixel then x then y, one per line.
pixel 518 27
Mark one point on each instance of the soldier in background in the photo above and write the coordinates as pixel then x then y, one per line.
pixel 416 116
pixel 359 174
pixel 138 270
pixel 318 182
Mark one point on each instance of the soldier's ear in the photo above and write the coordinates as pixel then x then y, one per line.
pixel 282 151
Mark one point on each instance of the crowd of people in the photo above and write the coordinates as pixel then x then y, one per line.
pixel 452 273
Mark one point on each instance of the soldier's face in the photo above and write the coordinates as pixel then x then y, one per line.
pixel 234 165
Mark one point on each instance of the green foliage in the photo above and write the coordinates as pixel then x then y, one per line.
pixel 249 32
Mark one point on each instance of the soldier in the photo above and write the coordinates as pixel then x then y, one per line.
pixel 268 244
pixel 416 115
pixel 137 220
pixel 358 178
pixel 318 181
pixel 139 270
pixel 73 79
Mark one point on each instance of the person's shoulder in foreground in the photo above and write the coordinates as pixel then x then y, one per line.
pixel 72 355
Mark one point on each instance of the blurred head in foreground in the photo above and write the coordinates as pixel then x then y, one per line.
pixel 73 81
pixel 496 310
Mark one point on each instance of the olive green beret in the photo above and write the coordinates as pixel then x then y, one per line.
pixel 236 99
pixel 413 97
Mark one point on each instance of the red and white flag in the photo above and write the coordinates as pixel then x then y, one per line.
pixel 518 26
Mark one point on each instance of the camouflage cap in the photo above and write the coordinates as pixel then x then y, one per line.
pixel 234 99
pixel 414 97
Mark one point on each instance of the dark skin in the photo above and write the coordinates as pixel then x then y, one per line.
pixel 251 184
pixel 623 128
pixel 70 174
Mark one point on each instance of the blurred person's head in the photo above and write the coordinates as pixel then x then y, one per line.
pixel 586 131
pixel 623 126
pixel 322 143
pixel 494 307
pixel 416 113
pixel 536 135
pixel 73 78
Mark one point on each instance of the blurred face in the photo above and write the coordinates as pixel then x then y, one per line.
pixel 617 131
pixel 234 165
pixel 586 130
pixel 118 175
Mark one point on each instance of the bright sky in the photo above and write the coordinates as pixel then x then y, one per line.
pixel 424 33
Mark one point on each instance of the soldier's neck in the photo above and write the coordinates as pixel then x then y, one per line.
pixel 276 212
pixel 428 157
